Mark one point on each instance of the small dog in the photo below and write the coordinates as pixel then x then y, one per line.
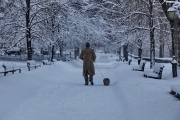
pixel 106 81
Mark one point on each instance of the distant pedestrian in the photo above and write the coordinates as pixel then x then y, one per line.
pixel 88 56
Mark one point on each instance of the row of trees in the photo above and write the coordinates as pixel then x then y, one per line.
pixel 34 23
pixel 148 23
pixel 46 23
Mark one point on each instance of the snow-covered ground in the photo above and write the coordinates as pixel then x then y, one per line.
pixel 57 92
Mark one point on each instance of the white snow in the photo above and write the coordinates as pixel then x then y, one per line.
pixel 57 92
pixel 176 88
pixel 174 61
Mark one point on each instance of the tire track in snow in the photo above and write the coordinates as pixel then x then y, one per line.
pixel 119 77
pixel 129 91
pixel 139 101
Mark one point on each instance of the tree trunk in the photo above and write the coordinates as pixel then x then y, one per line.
pixel 53 30
pixel 76 52
pixel 177 39
pixel 164 6
pixel 60 51
pixel 152 41
pixel 52 54
pixel 28 31
pixel 120 54
pixel 161 50
pixel 161 40
pixel 125 51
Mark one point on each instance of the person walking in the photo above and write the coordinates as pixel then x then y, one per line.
pixel 88 56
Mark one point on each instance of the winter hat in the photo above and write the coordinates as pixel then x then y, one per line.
pixel 87 44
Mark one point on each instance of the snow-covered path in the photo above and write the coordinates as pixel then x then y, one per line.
pixel 57 92
pixel 69 99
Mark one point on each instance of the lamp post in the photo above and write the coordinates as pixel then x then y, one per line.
pixel 171 15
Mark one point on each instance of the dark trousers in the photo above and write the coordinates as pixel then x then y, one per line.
pixel 86 77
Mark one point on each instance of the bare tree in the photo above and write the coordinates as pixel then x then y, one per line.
pixel 148 12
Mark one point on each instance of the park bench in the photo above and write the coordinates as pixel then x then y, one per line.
pixel 54 60
pixel 156 73
pixel 69 59
pixel 129 61
pixel 175 90
pixel 10 67
pixel 32 64
pixel 140 67
pixel 46 62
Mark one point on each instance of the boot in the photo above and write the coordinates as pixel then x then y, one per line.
pixel 86 80
pixel 91 79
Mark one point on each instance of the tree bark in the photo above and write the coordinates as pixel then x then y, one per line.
pixel 161 51
pixel 164 6
pixel 152 41
pixel 177 39
pixel 125 51
pixel 52 54
pixel 53 29
pixel 28 31
pixel 161 47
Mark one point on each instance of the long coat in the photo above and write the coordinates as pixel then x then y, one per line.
pixel 88 56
